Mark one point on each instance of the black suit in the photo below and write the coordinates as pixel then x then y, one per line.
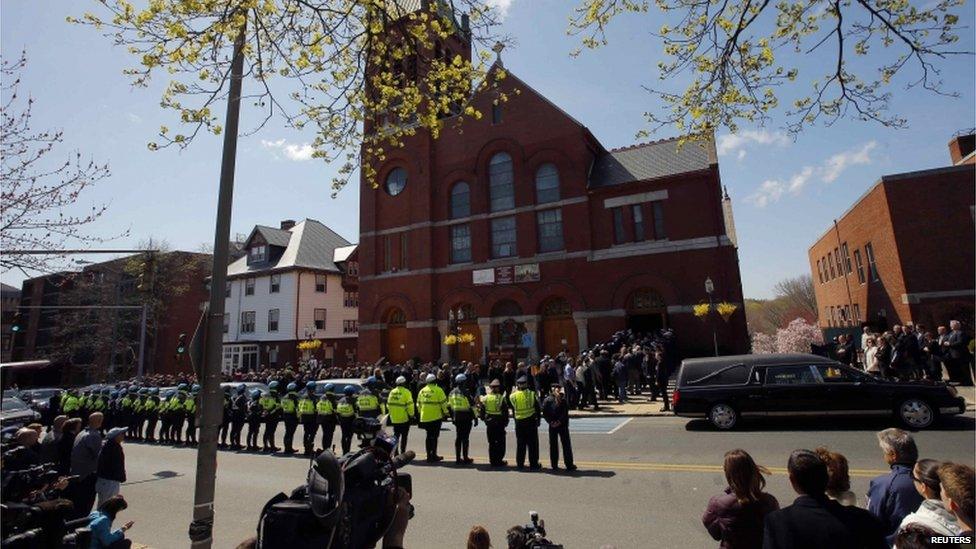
pixel 816 523
pixel 957 358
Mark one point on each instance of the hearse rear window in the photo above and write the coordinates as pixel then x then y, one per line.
pixel 789 375
pixel 736 374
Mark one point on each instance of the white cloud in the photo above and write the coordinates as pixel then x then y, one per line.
pixel 292 151
pixel 501 6
pixel 742 154
pixel 829 170
pixel 835 165
pixel 736 142
pixel 134 118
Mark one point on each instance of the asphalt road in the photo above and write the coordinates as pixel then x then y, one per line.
pixel 642 482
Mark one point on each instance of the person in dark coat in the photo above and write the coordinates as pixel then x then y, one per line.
pixel 815 521
pixel 111 465
pixel 735 517
pixel 957 355
pixel 893 495
pixel 555 409
pixel 66 443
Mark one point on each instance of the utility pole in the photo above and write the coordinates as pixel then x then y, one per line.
pixel 142 345
pixel 211 404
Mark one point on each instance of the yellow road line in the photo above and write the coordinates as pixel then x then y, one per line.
pixel 696 468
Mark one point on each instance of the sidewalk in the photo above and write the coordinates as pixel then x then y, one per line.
pixel 641 406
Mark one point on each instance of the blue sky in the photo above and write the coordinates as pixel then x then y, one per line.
pixel 785 192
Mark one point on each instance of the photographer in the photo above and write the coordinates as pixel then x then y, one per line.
pixel 103 537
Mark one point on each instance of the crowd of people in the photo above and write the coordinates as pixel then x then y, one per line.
pixel 911 352
pixel 920 503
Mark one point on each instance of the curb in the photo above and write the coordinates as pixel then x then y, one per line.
pixel 969 408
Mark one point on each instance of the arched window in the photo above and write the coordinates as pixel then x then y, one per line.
pixel 506 308
pixel 396 317
pixel 501 187
pixel 645 300
pixel 546 184
pixel 556 307
pixel 460 200
pixel 396 180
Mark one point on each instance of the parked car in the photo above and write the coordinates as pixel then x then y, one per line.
pixel 263 387
pixel 39 399
pixel 725 389
pixel 14 412
pixel 340 385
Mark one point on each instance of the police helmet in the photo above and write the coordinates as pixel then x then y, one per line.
pixel 401 380
pixel 181 387
pixel 114 394
pixel 329 388
pixel 143 391
pixel 371 380
pixel 196 388
pixel 460 378
pixel 155 390
pixel 292 387
pixel 132 390
pixel 241 388
pixel 273 386
pixel 106 391
pixel 430 378
pixel 310 386
pixel 255 393
pixel 349 390
pixel 227 389
pixel 522 380
pixel 495 383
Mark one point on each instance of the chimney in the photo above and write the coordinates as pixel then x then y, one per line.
pixel 287 224
pixel 962 146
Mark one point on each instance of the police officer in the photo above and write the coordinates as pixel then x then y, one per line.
pixel 179 413
pixel 238 414
pixel 165 417
pixel 289 412
pixel 346 412
pixel 150 408
pixel 325 415
pixel 401 409
pixel 271 413
pixel 463 416
pixel 138 415
pixel 555 409
pixel 494 410
pixel 225 418
pixel 525 406
pixel 190 409
pixel 306 415
pixel 255 412
pixel 125 410
pixel 432 405
pixel 366 402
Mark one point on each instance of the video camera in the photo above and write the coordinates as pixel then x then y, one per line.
pixel 534 534
pixel 346 503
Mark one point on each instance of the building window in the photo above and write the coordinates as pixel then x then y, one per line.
pixel 320 281
pixel 857 313
pixel 257 254
pixel 501 187
pixel 272 354
pixel 830 263
pixel 819 271
pixel 859 263
pixel 840 266
pixel 496 114
pixel 460 200
pixel 227 286
pixel 546 184
pixel 319 319
pixel 273 320
pixel 350 299
pixel 226 324
pixel 396 180
pixel 619 235
pixel 460 244
pixel 503 237
pixel 872 266
pixel 249 286
pixel 847 258
pixel 275 283
pixel 403 251
pixel 247 322
pixel 638 222
pixel 659 232
pixel 550 230
pixel 826 317
pixel 352 268
pixel 387 253
pixel 350 326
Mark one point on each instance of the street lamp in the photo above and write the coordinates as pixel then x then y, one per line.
pixel 454 317
pixel 710 289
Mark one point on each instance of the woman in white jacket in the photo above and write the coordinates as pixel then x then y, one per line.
pixel 931 513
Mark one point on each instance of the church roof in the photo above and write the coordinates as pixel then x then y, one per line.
pixel 308 245
pixel 653 160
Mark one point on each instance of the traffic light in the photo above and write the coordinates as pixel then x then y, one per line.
pixel 15 324
pixel 181 345
pixel 147 273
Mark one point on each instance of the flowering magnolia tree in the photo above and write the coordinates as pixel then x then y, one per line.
pixel 795 338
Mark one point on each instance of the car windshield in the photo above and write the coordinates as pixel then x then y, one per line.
pixel 13 405
pixel 38 394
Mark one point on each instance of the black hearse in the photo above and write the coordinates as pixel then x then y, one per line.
pixel 725 389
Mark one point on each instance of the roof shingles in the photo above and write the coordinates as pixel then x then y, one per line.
pixel 651 161
pixel 309 245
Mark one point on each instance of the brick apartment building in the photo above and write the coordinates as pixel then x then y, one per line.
pixel 525 232
pixel 904 252
pixel 108 283
pixel 295 282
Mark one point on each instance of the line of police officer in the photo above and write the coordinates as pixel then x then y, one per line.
pixel 140 409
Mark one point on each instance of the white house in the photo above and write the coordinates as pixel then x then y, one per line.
pixel 295 283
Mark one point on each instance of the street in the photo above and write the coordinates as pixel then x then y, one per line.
pixel 642 482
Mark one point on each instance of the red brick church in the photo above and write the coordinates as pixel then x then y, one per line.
pixel 528 236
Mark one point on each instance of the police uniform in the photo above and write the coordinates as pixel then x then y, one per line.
pixel 326 418
pixel 525 408
pixel 151 410
pixel 494 410
pixel 237 416
pixel 306 415
pixel 271 413
pixel 401 409
pixel 462 414
pixel 255 412
pixel 225 419
pixel 289 411
pixel 432 408
pixel 367 404
pixel 346 412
